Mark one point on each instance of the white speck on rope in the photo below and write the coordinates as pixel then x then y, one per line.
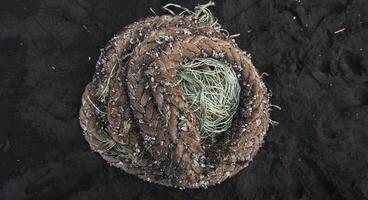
pixel 340 30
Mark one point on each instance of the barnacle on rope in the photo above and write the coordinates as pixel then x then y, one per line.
pixel 175 101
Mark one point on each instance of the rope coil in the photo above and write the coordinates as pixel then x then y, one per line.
pixel 140 113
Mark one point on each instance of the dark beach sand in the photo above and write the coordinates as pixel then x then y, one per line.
pixel 315 54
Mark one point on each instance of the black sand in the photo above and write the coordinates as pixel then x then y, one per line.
pixel 315 54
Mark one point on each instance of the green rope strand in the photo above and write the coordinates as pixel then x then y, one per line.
pixel 212 90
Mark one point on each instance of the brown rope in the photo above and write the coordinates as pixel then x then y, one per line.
pixel 134 113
